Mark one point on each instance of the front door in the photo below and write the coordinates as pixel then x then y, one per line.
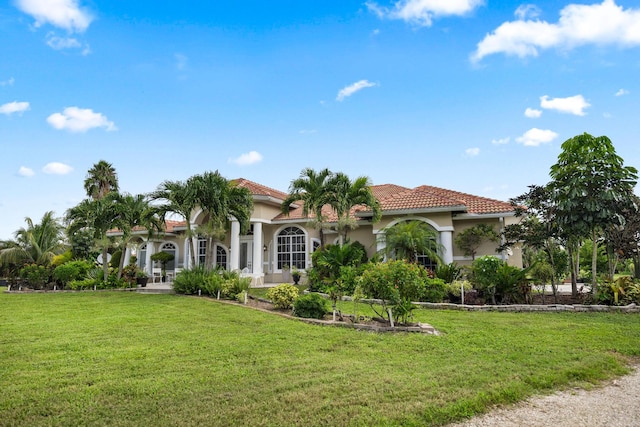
pixel 246 256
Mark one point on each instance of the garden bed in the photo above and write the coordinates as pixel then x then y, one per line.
pixel 346 321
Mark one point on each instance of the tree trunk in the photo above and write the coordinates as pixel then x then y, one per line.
pixel 105 263
pixel 594 261
pixel 574 279
pixel 121 266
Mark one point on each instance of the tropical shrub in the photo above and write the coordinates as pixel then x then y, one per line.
pixel 328 261
pixel 311 306
pixel 233 284
pixel 283 295
pixel 435 290
pixel 63 258
pixel 498 281
pixel 448 272
pixel 36 275
pixel 632 293
pixel 73 270
pixel 455 289
pixel 79 285
pixel 190 281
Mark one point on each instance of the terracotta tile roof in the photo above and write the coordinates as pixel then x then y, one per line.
pixel 259 189
pixel 474 204
pixel 170 226
pixel 397 198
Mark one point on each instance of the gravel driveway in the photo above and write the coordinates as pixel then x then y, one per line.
pixel 615 404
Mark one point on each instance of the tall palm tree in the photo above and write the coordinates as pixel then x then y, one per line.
pixel 409 239
pixel 100 180
pixel 310 188
pixel 99 216
pixel 221 200
pixel 177 197
pixel 35 243
pixel 345 194
pixel 135 211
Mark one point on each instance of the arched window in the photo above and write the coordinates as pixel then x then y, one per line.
pixel 221 257
pixel 315 245
pixel 170 248
pixel 292 250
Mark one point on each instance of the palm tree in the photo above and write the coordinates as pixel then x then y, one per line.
pixel 101 179
pixel 99 216
pixel 135 211
pixel 220 200
pixel 36 243
pixel 310 189
pixel 177 197
pixel 409 239
pixel 345 194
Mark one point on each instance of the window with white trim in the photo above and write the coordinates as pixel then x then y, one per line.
pixel 291 247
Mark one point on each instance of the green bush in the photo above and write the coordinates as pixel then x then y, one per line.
pixel 36 275
pixel 435 290
pixel 283 295
pixel 79 285
pixel 310 306
pixel 448 272
pixel 497 280
pixel 189 281
pixel 73 270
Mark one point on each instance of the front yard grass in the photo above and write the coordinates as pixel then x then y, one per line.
pixel 125 359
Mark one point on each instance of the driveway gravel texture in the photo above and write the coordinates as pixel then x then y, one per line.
pixel 615 403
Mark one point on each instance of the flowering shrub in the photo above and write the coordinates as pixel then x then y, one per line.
pixel 283 295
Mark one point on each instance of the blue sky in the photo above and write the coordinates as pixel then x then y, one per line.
pixel 470 95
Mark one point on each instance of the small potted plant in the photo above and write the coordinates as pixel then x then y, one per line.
pixel 141 278
pixel 295 275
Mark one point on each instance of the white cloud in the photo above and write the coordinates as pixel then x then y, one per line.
pixel 76 119
pixel 571 105
pixel 525 11
pixel 422 12
pixel 25 171
pixel 600 24
pixel 59 43
pixel 55 168
pixel 472 152
pixel 250 158
pixel 351 89
pixel 66 14
pixel 14 107
pixel 181 61
pixel 622 92
pixel 532 113
pixel 8 82
pixel 501 141
pixel 535 137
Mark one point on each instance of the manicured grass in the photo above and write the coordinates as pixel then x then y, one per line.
pixel 124 359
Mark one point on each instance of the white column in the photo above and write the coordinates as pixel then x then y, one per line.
pixel 195 247
pixel 151 248
pixel 186 263
pixel 447 246
pixel 127 256
pixel 257 248
pixel 234 261
pixel 380 242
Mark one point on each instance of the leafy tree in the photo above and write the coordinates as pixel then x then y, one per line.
pixel 590 187
pixel 409 239
pixel 470 239
pixel 344 195
pixel 537 228
pixel 177 197
pixel 37 243
pixel 310 188
pixel 101 179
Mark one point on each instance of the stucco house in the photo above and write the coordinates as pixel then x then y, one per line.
pixel 276 241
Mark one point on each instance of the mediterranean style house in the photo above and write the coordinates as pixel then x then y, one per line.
pixel 276 242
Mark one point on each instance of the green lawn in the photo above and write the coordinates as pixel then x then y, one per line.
pixel 120 358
